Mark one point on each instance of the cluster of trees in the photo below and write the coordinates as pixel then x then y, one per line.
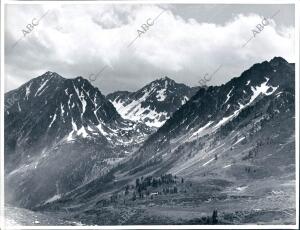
pixel 251 154
pixel 248 170
pixel 141 188
pixel 142 185
pixel 259 144
pixel 265 141
pixel 170 190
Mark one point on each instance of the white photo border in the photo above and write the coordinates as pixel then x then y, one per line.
pixel 297 88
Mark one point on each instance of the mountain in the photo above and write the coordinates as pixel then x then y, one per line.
pixel 153 104
pixel 238 138
pixel 229 150
pixel 65 132
pixel 213 108
pixel 226 156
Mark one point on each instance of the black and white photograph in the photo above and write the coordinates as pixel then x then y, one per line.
pixel 149 114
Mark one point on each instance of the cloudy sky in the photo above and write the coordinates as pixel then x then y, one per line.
pixel 184 42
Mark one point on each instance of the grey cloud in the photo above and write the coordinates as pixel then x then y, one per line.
pixel 185 43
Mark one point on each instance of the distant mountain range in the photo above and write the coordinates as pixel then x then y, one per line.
pixel 67 145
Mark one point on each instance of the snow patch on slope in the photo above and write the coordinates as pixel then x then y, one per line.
pixel 135 112
pixel 161 95
pixel 239 140
pixel 53 119
pixel 262 89
pixel 28 91
pixel 201 129
pixel 228 95
pixel 184 100
pixel 54 198
pixel 82 100
pixel 79 132
pixel 41 88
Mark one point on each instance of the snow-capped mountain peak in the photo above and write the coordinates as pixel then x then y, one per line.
pixel 154 103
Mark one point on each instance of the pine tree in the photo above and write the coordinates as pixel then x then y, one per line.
pixel 140 191
pixel 126 190
pixel 133 196
pixel 215 217
pixel 137 182
pixel 175 189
